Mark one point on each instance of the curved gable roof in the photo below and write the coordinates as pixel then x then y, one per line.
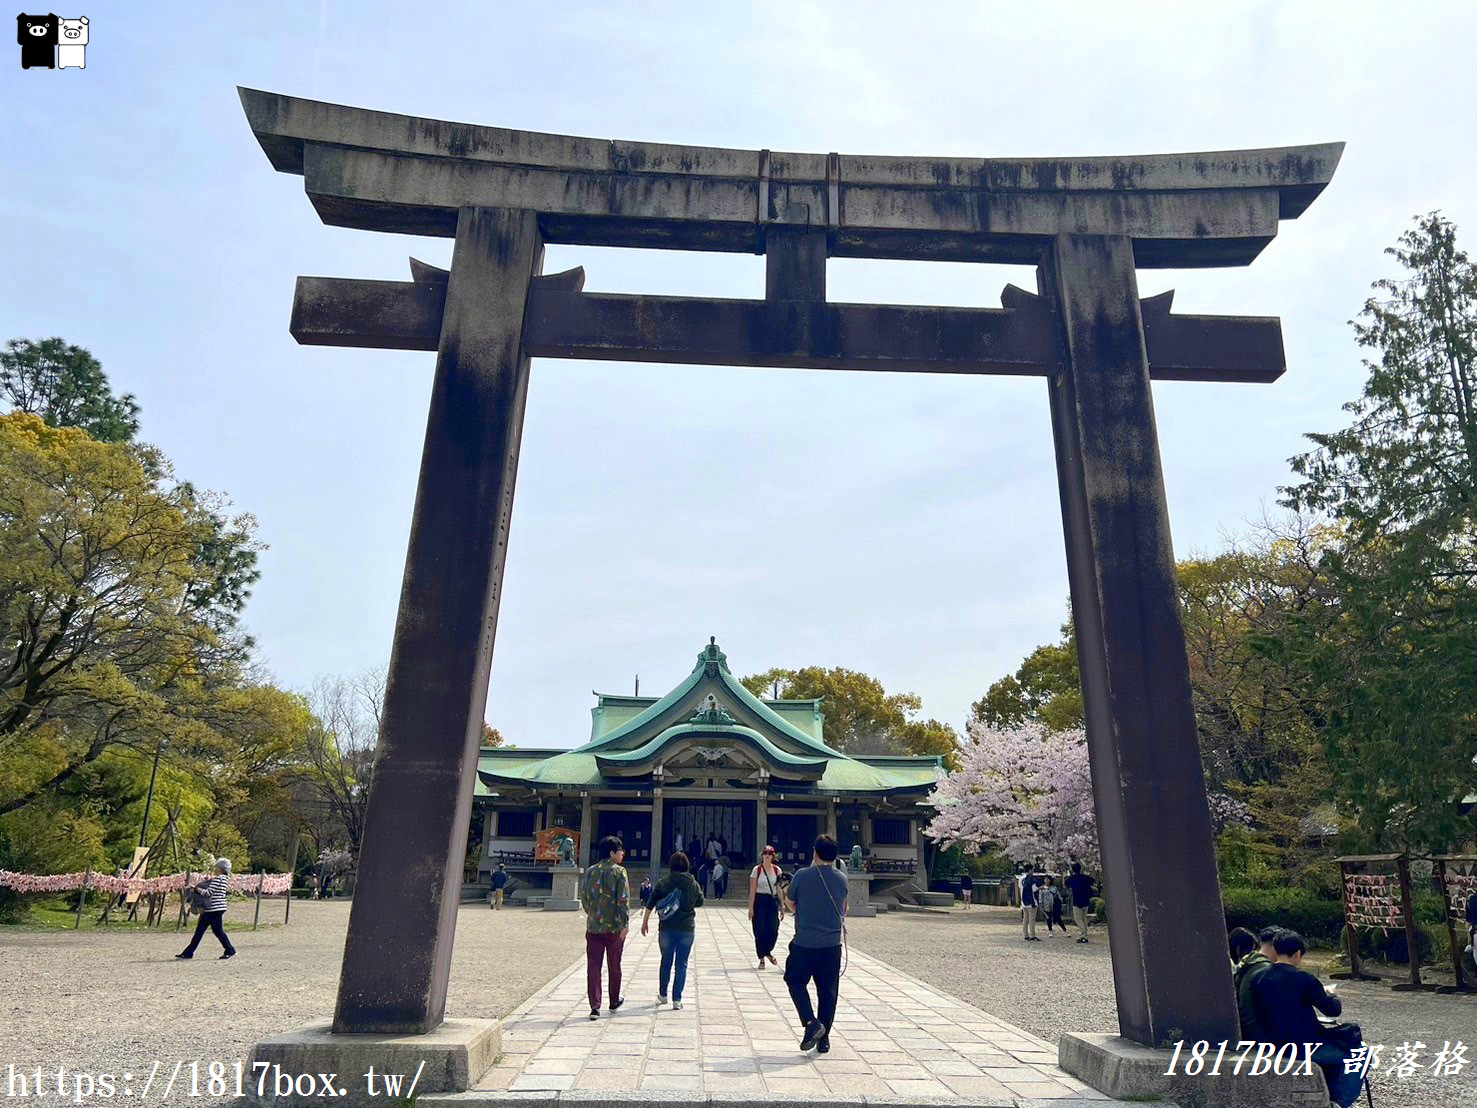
pixel 653 749
pixel 712 667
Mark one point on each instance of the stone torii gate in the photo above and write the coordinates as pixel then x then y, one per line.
pixel 1086 224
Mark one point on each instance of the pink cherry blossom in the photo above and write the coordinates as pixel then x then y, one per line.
pixel 1023 791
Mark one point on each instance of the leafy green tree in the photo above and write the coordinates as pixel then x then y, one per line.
pixel 861 716
pixel 101 647
pixel 1408 462
pixel 1257 727
pixel 1045 689
pixel 66 387
pixel 1392 651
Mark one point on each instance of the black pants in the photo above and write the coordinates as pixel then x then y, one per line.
pixel 766 924
pixel 823 964
pixel 214 921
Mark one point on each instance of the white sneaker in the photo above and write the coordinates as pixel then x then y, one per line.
pixel 676 1005
pixel 660 1000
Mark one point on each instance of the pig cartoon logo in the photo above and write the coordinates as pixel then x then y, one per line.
pixel 37 35
pixel 71 51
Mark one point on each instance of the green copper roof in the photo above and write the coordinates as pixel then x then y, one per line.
pixel 630 732
pixel 712 665
pixel 746 735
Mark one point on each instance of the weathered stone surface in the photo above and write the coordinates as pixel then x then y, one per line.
pixel 566 894
pixel 1021 338
pixel 859 896
pixel 1121 1069
pixel 382 171
pixel 1165 924
pixel 450 1058
pixel 398 952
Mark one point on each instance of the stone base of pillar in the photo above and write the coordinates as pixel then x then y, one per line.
pixel 450 1059
pixel 859 896
pixel 1125 1070
pixel 566 894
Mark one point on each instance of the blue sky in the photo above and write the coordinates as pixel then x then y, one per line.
pixel 907 526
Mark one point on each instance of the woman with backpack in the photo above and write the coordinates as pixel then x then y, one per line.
pixel 674 900
pixel 211 896
pixel 766 906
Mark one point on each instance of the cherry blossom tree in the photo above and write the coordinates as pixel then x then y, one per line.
pixel 1023 790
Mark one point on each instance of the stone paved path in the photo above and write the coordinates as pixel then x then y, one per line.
pixel 737 1037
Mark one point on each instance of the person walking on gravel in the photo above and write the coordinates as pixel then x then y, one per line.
pixel 606 896
pixel 213 915
pixel 817 896
pixel 499 884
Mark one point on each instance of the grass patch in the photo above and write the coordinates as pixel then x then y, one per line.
pixel 57 915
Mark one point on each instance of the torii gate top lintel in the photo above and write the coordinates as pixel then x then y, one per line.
pixel 386 172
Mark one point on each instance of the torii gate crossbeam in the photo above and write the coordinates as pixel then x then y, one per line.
pixel 1087 224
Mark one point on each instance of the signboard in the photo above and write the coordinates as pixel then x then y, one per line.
pixel 546 844
pixel 137 868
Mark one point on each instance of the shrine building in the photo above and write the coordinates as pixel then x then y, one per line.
pixel 709 757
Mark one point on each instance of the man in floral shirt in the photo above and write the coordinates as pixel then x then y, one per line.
pixel 606 896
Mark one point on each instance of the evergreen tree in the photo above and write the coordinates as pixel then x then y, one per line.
pixel 66 387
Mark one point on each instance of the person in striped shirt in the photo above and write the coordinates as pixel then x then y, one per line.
pixel 214 890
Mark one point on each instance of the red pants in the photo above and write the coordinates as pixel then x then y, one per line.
pixel 607 947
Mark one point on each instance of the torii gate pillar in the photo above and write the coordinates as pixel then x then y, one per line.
pixel 1154 829
pixel 397 957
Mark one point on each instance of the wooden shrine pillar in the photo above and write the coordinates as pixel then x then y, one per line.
pixel 587 830
pixel 1166 926
pixel 397 956
pixel 658 840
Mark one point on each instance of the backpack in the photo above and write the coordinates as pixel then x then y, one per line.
pixel 669 905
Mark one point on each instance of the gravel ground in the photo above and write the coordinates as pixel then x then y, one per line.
pixel 979 957
pixel 115 1001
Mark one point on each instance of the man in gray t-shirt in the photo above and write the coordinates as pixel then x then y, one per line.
pixel 817 897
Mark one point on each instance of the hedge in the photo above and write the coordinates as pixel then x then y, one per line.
pixel 1312 917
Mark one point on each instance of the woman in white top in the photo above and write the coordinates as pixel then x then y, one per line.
pixel 213 915
pixel 766 906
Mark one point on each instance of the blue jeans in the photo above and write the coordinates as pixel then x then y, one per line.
pixel 1343 1088
pixel 675 946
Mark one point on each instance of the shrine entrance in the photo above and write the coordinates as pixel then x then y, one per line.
pixel 693 822
pixel 1086 224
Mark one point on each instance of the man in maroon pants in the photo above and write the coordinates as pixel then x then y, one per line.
pixel 605 893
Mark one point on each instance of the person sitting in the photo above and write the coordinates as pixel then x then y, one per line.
pixel 1286 998
pixel 1249 963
